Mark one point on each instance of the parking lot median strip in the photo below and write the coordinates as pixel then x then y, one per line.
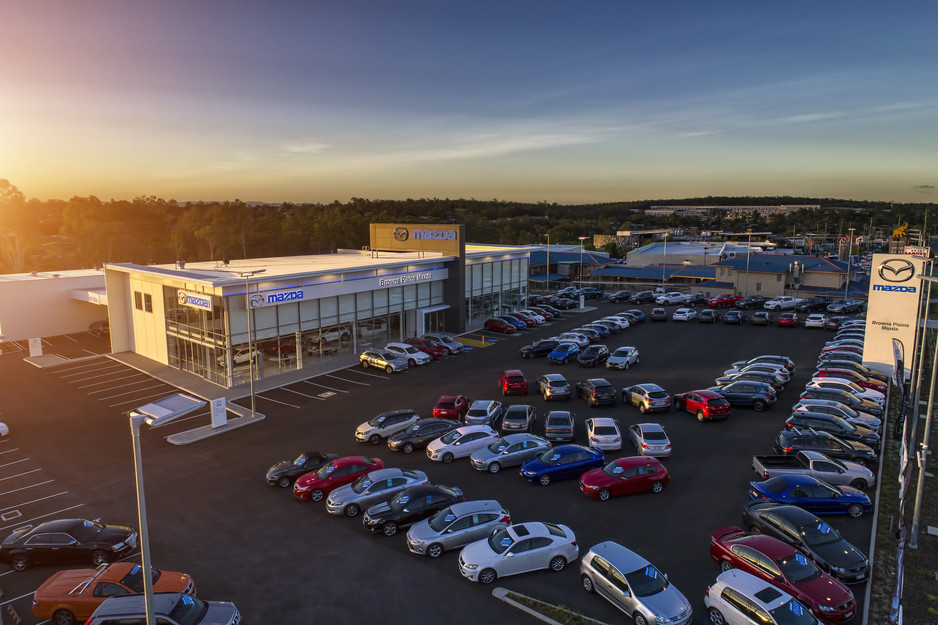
pixel 543 611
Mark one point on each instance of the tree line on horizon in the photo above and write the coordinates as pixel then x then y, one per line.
pixel 87 232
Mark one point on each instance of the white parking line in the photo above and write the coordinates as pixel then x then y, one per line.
pixel 8 451
pixel 74 340
pixel 16 490
pixel 41 516
pixel 94 366
pixel 14 462
pixel 337 390
pixel 136 390
pixel 111 380
pixel 277 401
pixel 26 503
pixel 19 474
pixel 283 388
pixel 137 400
pixel 329 375
pixel 29 594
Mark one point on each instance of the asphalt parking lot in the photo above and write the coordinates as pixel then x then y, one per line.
pixel 282 561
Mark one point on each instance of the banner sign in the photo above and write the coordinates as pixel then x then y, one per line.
pixel 892 310
pixel 195 300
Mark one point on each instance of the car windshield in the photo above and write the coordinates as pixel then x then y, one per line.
pixel 622 352
pixel 558 383
pixel 399 501
pixel 797 568
pixel 497 445
pixel 550 457
pixel 411 349
pixel 387 355
pixel 592 350
pixel 657 395
pixel 565 347
pixel 376 421
pixel 439 521
pixel 189 610
pixel 361 484
pixel 654 436
pixel 605 430
pixel 819 533
pixel 446 405
pixel 646 581
pixel 87 530
pixel 500 541
pixel 323 471
pixel 555 421
pixel 845 425
pixel 134 578
pixel 614 469
pixel 300 460
pixel 516 379
pixel 792 613
pixel 450 437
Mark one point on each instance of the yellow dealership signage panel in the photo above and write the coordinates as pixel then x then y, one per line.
pixel 445 239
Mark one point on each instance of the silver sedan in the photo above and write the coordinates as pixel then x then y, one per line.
pixel 650 439
pixel 371 488
pixel 456 526
pixel 512 450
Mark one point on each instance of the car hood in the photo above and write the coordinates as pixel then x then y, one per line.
pixel 219 612
pixel 343 494
pixel 364 429
pixel 379 510
pixel 826 590
pixel 842 554
pixel 597 477
pixel 669 602
pixel 436 445
pixel 113 534
pixel 421 530
pixel 170 581
pixel 481 455
pixel 478 552
pixel 279 468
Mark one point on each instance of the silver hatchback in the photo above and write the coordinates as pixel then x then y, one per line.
pixel 509 451
pixel 456 526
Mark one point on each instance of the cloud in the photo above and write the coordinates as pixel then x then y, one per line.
pixel 924 188
pixel 306 148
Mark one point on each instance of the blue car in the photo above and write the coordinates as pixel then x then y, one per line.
pixel 520 325
pixel 563 462
pixel 639 315
pixel 811 494
pixel 564 353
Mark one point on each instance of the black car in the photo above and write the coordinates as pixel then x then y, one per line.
pixel 419 435
pixel 67 541
pixel 783 361
pixel 539 349
pixel 659 314
pixel 838 426
pixel 593 355
pixel 748 394
pixel 708 315
pixel 639 315
pixel 409 506
pixel 734 317
pixel 810 535
pixel 285 472
pixel 760 318
pixel 833 323
pixel 643 297
pixel 556 312
pixel 792 441
pixel 565 303
pixel 696 299
pixel 591 292
pixel 753 301
pixel 812 304
pixel 620 296
pixel 596 391
pixel 765 377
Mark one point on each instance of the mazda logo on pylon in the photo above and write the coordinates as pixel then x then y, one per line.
pixel 897 270
pixel 401 234
pixel 257 300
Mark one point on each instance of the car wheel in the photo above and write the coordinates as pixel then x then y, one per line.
pixel 487 576
pixel 19 562
pixel 701 416
pixel 657 486
pixel 389 369
pixel 758 405
pixel 587 584
pixel 725 565
pixel 863 462
pixel 352 510
pixel 604 494
pixel 558 564
pixel 716 617
pixel 855 510
pixel 449 352
pixel 364 364
pixel 375 439
pixel 99 557
pixel 389 528
pixel 317 495
pixel 858 484
pixel 284 482
pixel 755 529
pixel 642 409
pixel 411 363
pixel 447 457
pixel 63 617
pixel 495 467
pixel 435 550
pixel 408 448
pixel 638 619
pixel 544 480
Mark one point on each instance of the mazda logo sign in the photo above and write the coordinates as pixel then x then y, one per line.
pixel 401 234
pixel 897 270
pixel 257 300
pixel 183 298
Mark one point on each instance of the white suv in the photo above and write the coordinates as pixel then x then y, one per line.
pixel 411 354
pixel 738 598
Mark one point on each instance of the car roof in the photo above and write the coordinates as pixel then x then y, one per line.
pixel 163 603
pixel 509 372
pixel 599 382
pixel 520 436
pixel 383 474
pixel 481 403
pixel 650 427
pixel 446 398
pixel 708 394
pixel 519 407
pixel 554 376
pixel 398 344
pixel 60 525
pixel 475 506
pixel 533 528
pixel 649 387
pixel 604 421
pixel 560 413
pixel 624 559
pixel 391 413
pixel 468 429
pixel 765 594
pixel 794 514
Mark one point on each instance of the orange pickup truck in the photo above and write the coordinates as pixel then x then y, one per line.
pixel 70 597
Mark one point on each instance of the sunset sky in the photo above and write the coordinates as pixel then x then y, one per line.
pixel 570 102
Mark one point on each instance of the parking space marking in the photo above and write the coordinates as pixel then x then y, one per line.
pixel 353 381
pixel 136 390
pixel 337 390
pixel 16 490
pixel 111 380
pixel 284 388
pixel 29 594
pixel 8 451
pixel 19 474
pixel 42 516
pixel 94 367
pixel 277 401
pixel 32 501
pixel 137 400
pixel 14 462
pixel 9 516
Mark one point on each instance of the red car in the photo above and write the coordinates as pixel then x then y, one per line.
pixel 724 301
pixel 528 321
pixel 427 347
pixel 543 312
pixel 451 407
pixel 707 405
pixel 783 566
pixel 512 381
pixel 341 471
pixel 634 474
pixel 498 325
pixel 788 320
pixel 853 376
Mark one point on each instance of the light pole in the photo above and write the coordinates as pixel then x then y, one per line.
pixel 748 252
pixel 547 275
pixel 247 310
pixel 581 269
pixel 849 250
pixel 664 261
pixel 136 419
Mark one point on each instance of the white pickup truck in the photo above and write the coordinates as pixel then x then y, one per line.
pixel 674 297
pixel 782 302
pixel 816 465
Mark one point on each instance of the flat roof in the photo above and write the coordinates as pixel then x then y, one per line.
pixel 50 275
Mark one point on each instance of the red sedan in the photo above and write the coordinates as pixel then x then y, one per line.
pixel 783 566
pixel 341 471
pixel 427 347
pixel 625 476
pixel 498 325
pixel 451 407
pixel 707 405
pixel 723 301
pixel 787 320
pixel 528 321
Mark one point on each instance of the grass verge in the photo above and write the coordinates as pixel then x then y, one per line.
pixel 559 613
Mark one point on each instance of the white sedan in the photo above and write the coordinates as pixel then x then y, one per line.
pixel 816 320
pixel 460 442
pixel 408 352
pixel 620 322
pixel 650 439
pixel 622 358
pixel 520 548
pixel 603 433
pixel 684 314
